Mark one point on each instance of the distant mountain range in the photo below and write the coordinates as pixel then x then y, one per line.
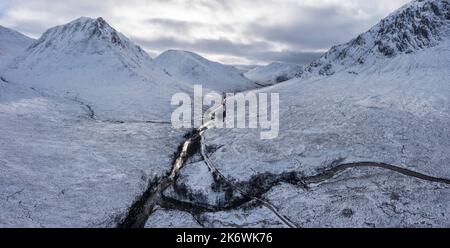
pixel 87 57
pixel 194 69
pixel 273 73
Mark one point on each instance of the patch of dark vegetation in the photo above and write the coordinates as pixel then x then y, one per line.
pixel 281 79
pixel 435 9
pixel 385 49
pixel 235 194
pixel 197 208
pixel 262 183
pixel 194 208
pixel 4 80
pixel 347 213
pixel 186 193
pixel 230 199
pixel 395 196
pixel 337 167
pixel 136 213
pixel 211 149
pixel 326 70
pixel 261 85
pixel 143 207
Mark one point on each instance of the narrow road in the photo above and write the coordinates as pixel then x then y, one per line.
pixel 330 173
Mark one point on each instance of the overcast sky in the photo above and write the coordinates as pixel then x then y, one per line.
pixel 230 31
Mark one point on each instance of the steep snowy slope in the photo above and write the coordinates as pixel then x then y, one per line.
pixel 416 26
pixel 89 60
pixel 365 146
pixel 12 44
pixel 194 69
pixel 273 73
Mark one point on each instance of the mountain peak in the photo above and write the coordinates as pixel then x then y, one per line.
pixel 194 69
pixel 84 37
pixel 97 27
pixel 83 31
pixel 417 25
pixel 178 54
pixel 187 59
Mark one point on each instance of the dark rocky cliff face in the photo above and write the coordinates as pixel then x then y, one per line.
pixel 418 25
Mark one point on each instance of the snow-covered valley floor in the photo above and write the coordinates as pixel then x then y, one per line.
pixel 364 134
pixel 61 168
pixel 366 149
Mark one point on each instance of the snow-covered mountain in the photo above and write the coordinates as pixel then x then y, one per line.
pixel 194 69
pixel 414 27
pixel 273 73
pixel 12 44
pixel 90 60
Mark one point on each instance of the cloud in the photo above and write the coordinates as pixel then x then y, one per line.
pixel 241 31
pixel 320 26
pixel 258 51
pixel 34 17
pixel 314 28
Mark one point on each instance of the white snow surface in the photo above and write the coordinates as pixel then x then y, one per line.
pixel 171 219
pixel 193 69
pixel 396 112
pixel 365 198
pixel 273 73
pixel 12 44
pixel 59 168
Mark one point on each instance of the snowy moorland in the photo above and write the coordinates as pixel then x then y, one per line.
pixel 364 137
pixel 62 168
pixel 84 128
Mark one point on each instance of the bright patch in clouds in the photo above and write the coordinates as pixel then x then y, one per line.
pixel 231 31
